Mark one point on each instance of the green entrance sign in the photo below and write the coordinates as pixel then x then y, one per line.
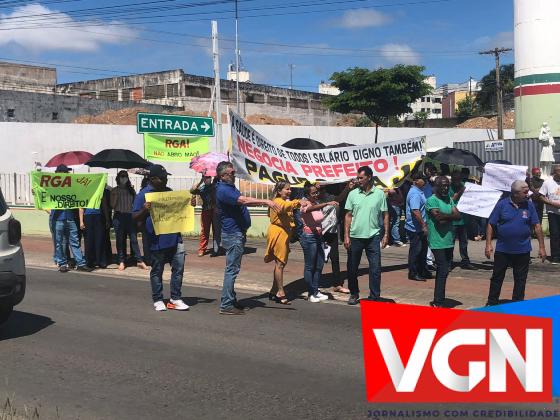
pixel 179 125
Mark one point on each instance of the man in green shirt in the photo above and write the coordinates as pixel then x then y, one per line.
pixel 455 192
pixel 365 206
pixel 442 212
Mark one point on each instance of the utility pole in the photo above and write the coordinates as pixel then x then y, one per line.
pixel 496 53
pixel 217 88
pixel 291 66
pixel 237 56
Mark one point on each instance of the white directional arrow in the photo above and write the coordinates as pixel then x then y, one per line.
pixel 205 126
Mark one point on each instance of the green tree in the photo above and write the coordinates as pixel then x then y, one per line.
pixel 421 117
pixel 486 96
pixel 379 94
pixel 467 107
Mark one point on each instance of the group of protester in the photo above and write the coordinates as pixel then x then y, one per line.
pixel 365 218
pixel 68 227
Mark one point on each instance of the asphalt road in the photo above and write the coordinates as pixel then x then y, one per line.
pixel 92 347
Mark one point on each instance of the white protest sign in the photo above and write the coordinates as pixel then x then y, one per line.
pixel 478 200
pixel 259 160
pixel 500 177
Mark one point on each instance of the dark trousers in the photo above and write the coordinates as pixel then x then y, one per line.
pixel 443 258
pixel 520 265
pixel 95 237
pixel 554 231
pixel 417 253
pixel 373 253
pixel 331 239
pixel 461 235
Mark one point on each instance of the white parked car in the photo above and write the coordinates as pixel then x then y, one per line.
pixel 12 262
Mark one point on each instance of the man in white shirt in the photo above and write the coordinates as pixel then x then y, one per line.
pixel 550 195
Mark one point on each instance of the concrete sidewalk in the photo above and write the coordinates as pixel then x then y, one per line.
pixel 465 289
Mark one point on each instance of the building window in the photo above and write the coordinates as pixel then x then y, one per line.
pixel 423 99
pixel 172 90
pixel 428 99
pixel 437 100
pixel 423 110
pixel 437 111
pixel 11 113
pixel 55 116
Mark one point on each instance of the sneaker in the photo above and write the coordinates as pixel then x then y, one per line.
pixel 63 268
pixel 399 244
pixel 160 306
pixel 178 305
pixel 232 311
pixel 353 300
pixel 84 268
pixel 386 246
pixel 322 296
pixel 313 299
pixel 555 261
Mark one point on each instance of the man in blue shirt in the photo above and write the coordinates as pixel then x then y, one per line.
pixel 235 218
pixel 511 221
pixel 417 230
pixel 164 249
pixel 66 232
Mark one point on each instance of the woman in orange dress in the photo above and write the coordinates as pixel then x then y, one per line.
pixel 278 238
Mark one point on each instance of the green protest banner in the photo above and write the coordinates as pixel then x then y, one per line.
pixel 56 191
pixel 174 149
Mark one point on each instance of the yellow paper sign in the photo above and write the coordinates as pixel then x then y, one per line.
pixel 171 211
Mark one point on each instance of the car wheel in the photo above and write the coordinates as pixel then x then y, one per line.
pixel 5 312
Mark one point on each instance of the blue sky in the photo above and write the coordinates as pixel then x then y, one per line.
pixel 318 37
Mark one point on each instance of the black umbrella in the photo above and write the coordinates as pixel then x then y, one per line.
pixel 303 144
pixel 452 156
pixel 118 158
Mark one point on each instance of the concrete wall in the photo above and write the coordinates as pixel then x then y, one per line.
pixel 26 143
pixel 22 77
pixel 43 107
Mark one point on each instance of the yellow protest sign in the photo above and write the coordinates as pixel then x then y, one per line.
pixel 174 149
pixel 171 211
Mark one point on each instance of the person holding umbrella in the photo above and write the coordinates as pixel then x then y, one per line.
pixel 205 190
pixel 165 249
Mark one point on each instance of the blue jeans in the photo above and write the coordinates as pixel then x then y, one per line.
pixel 234 244
pixel 123 224
pixel 314 260
pixel 395 219
pixel 174 256
pixel 66 231
pixel 373 254
pixel 417 253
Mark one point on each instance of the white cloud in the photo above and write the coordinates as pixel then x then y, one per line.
pixel 68 35
pixel 363 18
pixel 399 54
pixel 501 39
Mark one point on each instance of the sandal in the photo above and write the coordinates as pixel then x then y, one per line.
pixel 283 300
pixel 341 289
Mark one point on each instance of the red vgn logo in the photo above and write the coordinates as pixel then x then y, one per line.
pixel 421 354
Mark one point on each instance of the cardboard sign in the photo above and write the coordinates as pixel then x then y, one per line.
pixel 478 200
pixel 171 211
pixel 58 191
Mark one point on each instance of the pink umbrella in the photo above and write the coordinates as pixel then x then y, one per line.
pixel 69 159
pixel 206 163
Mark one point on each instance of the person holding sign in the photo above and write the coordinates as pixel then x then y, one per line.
pixel 232 207
pixel 364 207
pixel 165 248
pixel 66 232
pixel 511 222
pixel 278 238
pixel 441 214
pixel 311 240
